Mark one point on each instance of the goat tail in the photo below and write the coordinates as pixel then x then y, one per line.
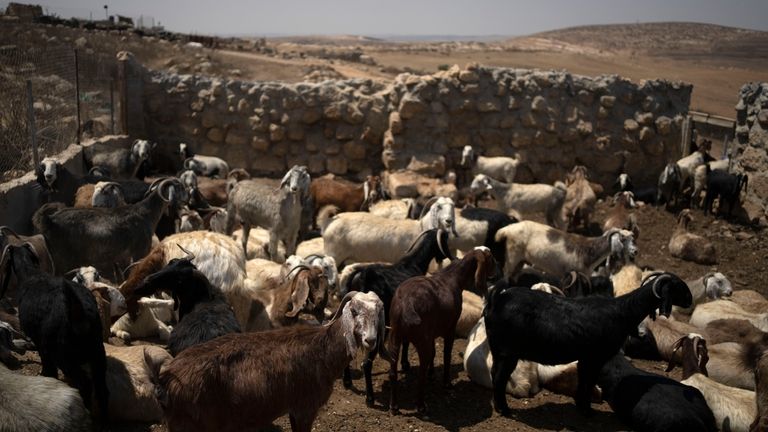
pixel 325 216
pixel 42 217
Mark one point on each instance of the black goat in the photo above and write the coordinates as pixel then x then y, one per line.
pixel 105 236
pixel 650 402
pixel 580 285
pixel 60 184
pixel 62 319
pixel 523 324
pixel 204 313
pixel 383 279
pixel 727 187
pixel 495 221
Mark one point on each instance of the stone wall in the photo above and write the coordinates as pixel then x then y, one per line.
pixel 420 123
pixel 752 148
pixel 553 119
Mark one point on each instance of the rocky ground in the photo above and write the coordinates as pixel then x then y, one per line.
pixel 467 407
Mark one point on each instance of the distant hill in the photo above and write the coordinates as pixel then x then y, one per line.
pixel 664 38
pixel 327 40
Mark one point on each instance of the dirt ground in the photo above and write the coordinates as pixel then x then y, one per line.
pixel 466 406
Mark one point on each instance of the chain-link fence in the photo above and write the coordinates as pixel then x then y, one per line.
pixel 39 110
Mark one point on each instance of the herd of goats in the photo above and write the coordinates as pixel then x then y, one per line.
pixel 236 277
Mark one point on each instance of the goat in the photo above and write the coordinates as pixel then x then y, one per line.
pixel 650 402
pixel 502 168
pixel 688 164
pixel 557 252
pixel 203 312
pixel 727 187
pixel 9 344
pixel 61 184
pixel 657 339
pixel 109 301
pixel 669 186
pixel 190 220
pixel 750 300
pixel 734 408
pixel 478 226
pixel 688 246
pixel 384 279
pixel 277 210
pixel 529 377
pixel 394 209
pixel 210 166
pixel 130 192
pixel 734 330
pixel 35 403
pixel 130 371
pixel 345 196
pixel 580 199
pixel 107 194
pixel 363 237
pixel 711 286
pixel 264 373
pixel 9 236
pixel 216 191
pixel 761 383
pixel 108 235
pixel 619 217
pixel 61 318
pixel 218 257
pixel 722 309
pixel 700 175
pixel 529 325
pixel 123 163
pixel 525 199
pixel 425 308
pixel 143 321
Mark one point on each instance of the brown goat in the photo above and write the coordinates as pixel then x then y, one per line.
pixel 83 195
pixel 216 191
pixel 244 381
pixel 580 198
pixel 761 389
pixel 344 195
pixel 10 237
pixel 690 247
pixel 619 217
pixel 735 330
pixel 426 308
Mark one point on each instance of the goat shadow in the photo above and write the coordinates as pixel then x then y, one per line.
pixel 565 416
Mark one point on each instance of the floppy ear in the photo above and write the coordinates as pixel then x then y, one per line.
pixel 285 179
pixel 366 191
pixel 484 268
pixel 300 294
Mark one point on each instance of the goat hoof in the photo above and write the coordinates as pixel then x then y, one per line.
pixel 347 383
pixel 369 402
pixel 394 411
pixel 405 367
pixel 504 411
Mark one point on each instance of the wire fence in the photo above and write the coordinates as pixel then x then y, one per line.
pixel 49 98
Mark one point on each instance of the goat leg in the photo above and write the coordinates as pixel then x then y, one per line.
pixel 347 377
pixel 447 349
pixel 49 365
pixel 394 351
pixel 500 372
pixel 426 351
pixel 301 422
pixel 246 233
pixel 405 365
pixel 367 367
pixel 588 373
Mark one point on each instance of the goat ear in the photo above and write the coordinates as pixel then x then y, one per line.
pixel 299 295
pixel 286 177
pixel 381 346
pixel 484 264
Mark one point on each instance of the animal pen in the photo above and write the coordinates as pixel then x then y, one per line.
pixel 50 98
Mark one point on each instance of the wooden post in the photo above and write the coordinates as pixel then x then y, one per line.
pixel 31 123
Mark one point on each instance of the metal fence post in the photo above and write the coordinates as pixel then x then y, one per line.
pixel 112 105
pixel 31 124
pixel 77 96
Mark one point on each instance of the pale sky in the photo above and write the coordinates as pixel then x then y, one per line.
pixel 412 17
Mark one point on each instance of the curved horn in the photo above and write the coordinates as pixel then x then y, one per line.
pixel 340 309
pixel 7 229
pixel 5 275
pixel 656 280
pixel 313 256
pixel 427 206
pixel 445 251
pixel 557 290
pixel 71 272
pixel 300 266
pixel 190 255
pixel 574 276
pixel 130 266
pixel 413 244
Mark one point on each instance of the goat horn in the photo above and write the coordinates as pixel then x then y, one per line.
pixel 340 309
pixel 413 244
pixel 190 255
pixel 427 206
pixel 300 266
pixel 9 230
pixel 5 273
pixel 313 256
pixel 71 272
pixel 130 266
pixel 557 290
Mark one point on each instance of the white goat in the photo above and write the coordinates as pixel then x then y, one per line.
pixel 688 167
pixel 130 372
pixel 500 167
pixel 711 286
pixel 700 178
pixel 209 166
pixel 363 237
pixel 107 194
pixel 525 199
pixel 557 252
pixel 724 309
pixel 146 324
pixel 393 209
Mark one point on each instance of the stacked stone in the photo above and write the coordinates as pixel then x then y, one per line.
pixel 752 148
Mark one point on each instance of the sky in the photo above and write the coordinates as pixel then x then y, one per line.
pixel 411 17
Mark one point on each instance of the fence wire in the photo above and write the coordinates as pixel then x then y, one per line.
pixel 52 73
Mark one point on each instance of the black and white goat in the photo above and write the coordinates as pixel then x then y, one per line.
pixel 60 183
pixel 727 187
pixel 204 313
pixel 123 163
pixel 209 166
pixel 523 324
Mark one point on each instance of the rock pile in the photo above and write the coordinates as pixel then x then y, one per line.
pixel 752 148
